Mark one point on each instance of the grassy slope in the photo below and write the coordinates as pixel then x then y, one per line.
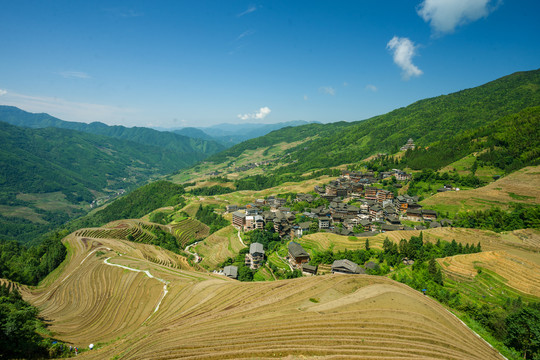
pixel 212 317
pixel 218 247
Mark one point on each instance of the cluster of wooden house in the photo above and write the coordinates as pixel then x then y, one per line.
pixel 377 211
pixel 254 259
pixel 298 258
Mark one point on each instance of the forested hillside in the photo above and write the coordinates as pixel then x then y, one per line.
pixel 425 121
pixel 509 143
pixel 51 175
pixel 195 149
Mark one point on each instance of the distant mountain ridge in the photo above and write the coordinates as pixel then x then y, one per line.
pixel 51 175
pixel 231 134
pixel 236 133
pixel 196 148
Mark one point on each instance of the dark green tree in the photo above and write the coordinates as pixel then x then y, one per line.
pixel 523 332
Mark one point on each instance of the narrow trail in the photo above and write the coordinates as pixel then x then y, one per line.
pixel 197 257
pixel 285 261
pixel 239 238
pixel 147 272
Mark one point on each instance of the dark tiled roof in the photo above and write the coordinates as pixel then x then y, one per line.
pixel 296 250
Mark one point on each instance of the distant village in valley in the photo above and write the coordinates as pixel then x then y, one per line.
pixel 351 205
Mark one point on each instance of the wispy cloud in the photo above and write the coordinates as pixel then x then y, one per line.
pixel 3 92
pixel 74 75
pixel 123 12
pixel 306 98
pixel 403 51
pixel 445 15
pixel 244 34
pixel 327 90
pixel 69 110
pixel 259 115
pixel 129 14
pixel 371 87
pixel 249 10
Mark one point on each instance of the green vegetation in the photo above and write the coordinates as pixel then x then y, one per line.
pixel 20 330
pixel 165 240
pixel 269 239
pixel 261 182
pixel 509 144
pixel 30 265
pixel 193 149
pixel 212 190
pixel 73 166
pixel 520 217
pixel 206 215
pixel 287 134
pixel 135 205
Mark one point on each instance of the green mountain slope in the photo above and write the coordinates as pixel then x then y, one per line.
pixel 509 143
pixel 426 121
pixel 50 175
pixel 195 149
pixel 287 134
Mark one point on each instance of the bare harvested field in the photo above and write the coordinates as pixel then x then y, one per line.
pixel 518 187
pixel 102 296
pixel 528 239
pixel 517 272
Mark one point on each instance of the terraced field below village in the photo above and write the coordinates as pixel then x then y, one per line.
pixel 100 295
pixel 219 246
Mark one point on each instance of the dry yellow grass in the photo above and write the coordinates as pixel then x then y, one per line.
pixel 518 187
pixel 211 317
pixel 527 240
pixel 519 273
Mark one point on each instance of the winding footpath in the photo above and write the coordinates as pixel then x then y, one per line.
pixel 197 257
pixel 147 272
pixel 239 238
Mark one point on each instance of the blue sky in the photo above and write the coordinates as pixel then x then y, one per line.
pixel 198 63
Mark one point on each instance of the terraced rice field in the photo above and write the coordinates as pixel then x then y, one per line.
pixel 219 246
pixel 517 272
pixel 518 187
pixel 527 240
pixel 139 230
pixel 197 315
pixel 189 230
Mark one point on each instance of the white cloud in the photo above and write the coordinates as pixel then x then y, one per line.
pixel 445 15
pixel 244 34
pixel 69 110
pixel 371 87
pixel 3 92
pixel 259 115
pixel 249 10
pixel 327 90
pixel 403 52
pixel 306 98
pixel 74 75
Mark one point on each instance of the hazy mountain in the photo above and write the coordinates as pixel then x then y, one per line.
pixel 196 148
